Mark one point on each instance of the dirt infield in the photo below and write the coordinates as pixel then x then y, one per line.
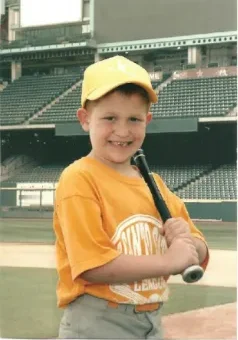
pixel 43 256
pixel 209 323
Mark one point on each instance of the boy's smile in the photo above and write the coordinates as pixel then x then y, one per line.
pixel 117 126
pixel 120 144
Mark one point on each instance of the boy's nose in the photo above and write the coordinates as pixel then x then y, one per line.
pixel 121 130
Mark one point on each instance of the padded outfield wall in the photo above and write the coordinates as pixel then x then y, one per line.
pixel 153 19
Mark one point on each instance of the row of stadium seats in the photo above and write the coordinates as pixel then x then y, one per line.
pixel 64 110
pixel 178 175
pixel 197 97
pixel 188 182
pixel 27 95
pixel 191 97
pixel 181 98
pixel 46 173
pixel 220 183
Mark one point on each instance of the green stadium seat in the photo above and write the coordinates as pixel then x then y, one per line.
pixel 27 95
pixel 219 183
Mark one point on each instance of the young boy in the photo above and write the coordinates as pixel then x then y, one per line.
pixel 114 255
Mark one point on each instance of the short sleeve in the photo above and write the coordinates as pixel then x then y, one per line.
pixel 86 242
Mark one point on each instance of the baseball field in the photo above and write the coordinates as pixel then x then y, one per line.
pixel 205 310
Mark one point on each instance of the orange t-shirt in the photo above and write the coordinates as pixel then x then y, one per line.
pixel 99 214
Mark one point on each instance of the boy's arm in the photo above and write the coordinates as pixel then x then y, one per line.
pixel 199 239
pixel 182 227
pixel 126 269
pixel 202 249
pixel 129 268
pixel 93 257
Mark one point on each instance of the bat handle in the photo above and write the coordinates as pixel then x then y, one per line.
pixel 192 274
pixel 195 272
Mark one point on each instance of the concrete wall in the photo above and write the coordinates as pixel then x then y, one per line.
pixel 125 20
pixel 225 211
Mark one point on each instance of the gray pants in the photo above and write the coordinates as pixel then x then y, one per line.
pixel 89 317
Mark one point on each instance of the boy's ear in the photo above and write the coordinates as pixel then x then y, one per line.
pixel 83 117
pixel 148 118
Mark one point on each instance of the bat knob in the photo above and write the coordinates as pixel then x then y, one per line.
pixel 193 274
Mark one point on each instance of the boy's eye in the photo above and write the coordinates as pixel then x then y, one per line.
pixel 109 118
pixel 134 119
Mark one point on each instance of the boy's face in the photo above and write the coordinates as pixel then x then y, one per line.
pixel 117 127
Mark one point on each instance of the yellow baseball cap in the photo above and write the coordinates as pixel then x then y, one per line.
pixel 104 76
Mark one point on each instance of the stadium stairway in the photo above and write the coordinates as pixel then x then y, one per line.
pixel 164 84
pixel 15 165
pixel 195 178
pixel 63 110
pixel 233 112
pixel 27 95
pixel 36 118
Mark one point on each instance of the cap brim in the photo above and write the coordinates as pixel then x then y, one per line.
pixel 102 91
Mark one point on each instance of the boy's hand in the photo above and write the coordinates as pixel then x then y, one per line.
pixel 176 228
pixel 180 255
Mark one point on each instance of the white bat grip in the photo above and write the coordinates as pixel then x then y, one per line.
pixel 192 274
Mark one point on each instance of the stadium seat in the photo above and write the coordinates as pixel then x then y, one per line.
pixel 27 95
pixel 44 173
pixel 197 97
pixel 64 110
pixel 219 183
pixel 176 176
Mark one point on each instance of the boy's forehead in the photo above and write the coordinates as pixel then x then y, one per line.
pixel 119 103
pixel 122 98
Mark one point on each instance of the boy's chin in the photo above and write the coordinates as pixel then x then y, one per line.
pixel 119 159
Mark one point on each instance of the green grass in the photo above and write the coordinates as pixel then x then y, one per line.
pixel 188 297
pixel 28 301
pixel 26 231
pixel 218 235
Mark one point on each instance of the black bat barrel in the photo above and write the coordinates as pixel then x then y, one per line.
pixel 193 273
pixel 149 179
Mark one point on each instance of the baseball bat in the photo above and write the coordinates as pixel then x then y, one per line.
pixel 192 273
